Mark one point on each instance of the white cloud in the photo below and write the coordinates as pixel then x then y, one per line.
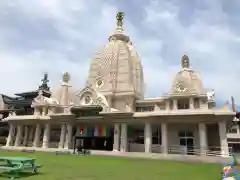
pixel 54 36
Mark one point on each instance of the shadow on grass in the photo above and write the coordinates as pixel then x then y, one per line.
pixel 19 174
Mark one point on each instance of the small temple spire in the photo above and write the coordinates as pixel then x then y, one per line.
pixel 185 62
pixel 44 85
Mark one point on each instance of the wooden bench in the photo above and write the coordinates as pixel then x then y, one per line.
pixel 14 170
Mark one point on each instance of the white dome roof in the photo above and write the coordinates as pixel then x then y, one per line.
pixel 187 80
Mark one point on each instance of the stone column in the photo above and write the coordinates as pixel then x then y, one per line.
pixel 164 138
pixel 175 105
pixel 62 136
pixel 202 138
pixel 37 111
pixel 167 105
pixel 148 138
pixel 10 135
pixel 109 100
pixel 116 137
pixel 36 142
pixel 31 134
pixel 223 138
pixel 68 139
pixel 123 138
pixel 19 135
pixel 46 136
pixel 191 103
pixel 44 111
pixel 25 139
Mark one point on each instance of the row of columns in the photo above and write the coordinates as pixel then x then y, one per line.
pixel 120 138
pixel 64 142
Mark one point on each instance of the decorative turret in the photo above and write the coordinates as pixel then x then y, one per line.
pixel 187 80
pixel 65 85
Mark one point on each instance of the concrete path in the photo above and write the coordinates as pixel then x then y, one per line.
pixel 172 157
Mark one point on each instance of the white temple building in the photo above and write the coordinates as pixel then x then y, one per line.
pixel 111 113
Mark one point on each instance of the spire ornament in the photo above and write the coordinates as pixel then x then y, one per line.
pixel 44 85
pixel 66 77
pixel 119 17
pixel 185 62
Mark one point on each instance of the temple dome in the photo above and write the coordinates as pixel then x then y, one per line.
pixel 117 68
pixel 187 80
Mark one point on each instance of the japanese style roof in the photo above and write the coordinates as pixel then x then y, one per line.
pixel 33 94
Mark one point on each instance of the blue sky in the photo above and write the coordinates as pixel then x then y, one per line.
pixel 54 36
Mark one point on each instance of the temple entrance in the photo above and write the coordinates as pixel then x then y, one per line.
pixel 94 143
pixel 94 137
pixel 186 142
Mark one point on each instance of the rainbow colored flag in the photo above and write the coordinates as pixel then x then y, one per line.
pixel 102 131
pixel 86 131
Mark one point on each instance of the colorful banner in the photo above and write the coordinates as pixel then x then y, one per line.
pixel 102 131
pixel 97 131
pixel 86 131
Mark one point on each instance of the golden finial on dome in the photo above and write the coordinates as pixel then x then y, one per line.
pixel 66 77
pixel 185 61
pixel 119 17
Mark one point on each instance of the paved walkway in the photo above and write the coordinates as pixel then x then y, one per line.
pixel 172 157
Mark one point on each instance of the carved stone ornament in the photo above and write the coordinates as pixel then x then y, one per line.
pixel 66 77
pixel 87 100
pixel 180 87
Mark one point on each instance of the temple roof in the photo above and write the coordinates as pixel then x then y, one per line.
pixel 33 94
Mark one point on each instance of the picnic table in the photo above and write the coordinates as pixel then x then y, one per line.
pixel 14 165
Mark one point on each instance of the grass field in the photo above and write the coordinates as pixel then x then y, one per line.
pixel 67 167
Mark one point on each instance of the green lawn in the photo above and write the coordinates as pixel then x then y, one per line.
pixel 67 167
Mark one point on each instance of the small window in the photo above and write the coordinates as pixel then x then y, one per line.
pixel 233 130
pixel 196 103
pixel 183 104
pixel 144 108
pixel 184 134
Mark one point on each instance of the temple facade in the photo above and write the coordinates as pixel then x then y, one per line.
pixel 111 113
